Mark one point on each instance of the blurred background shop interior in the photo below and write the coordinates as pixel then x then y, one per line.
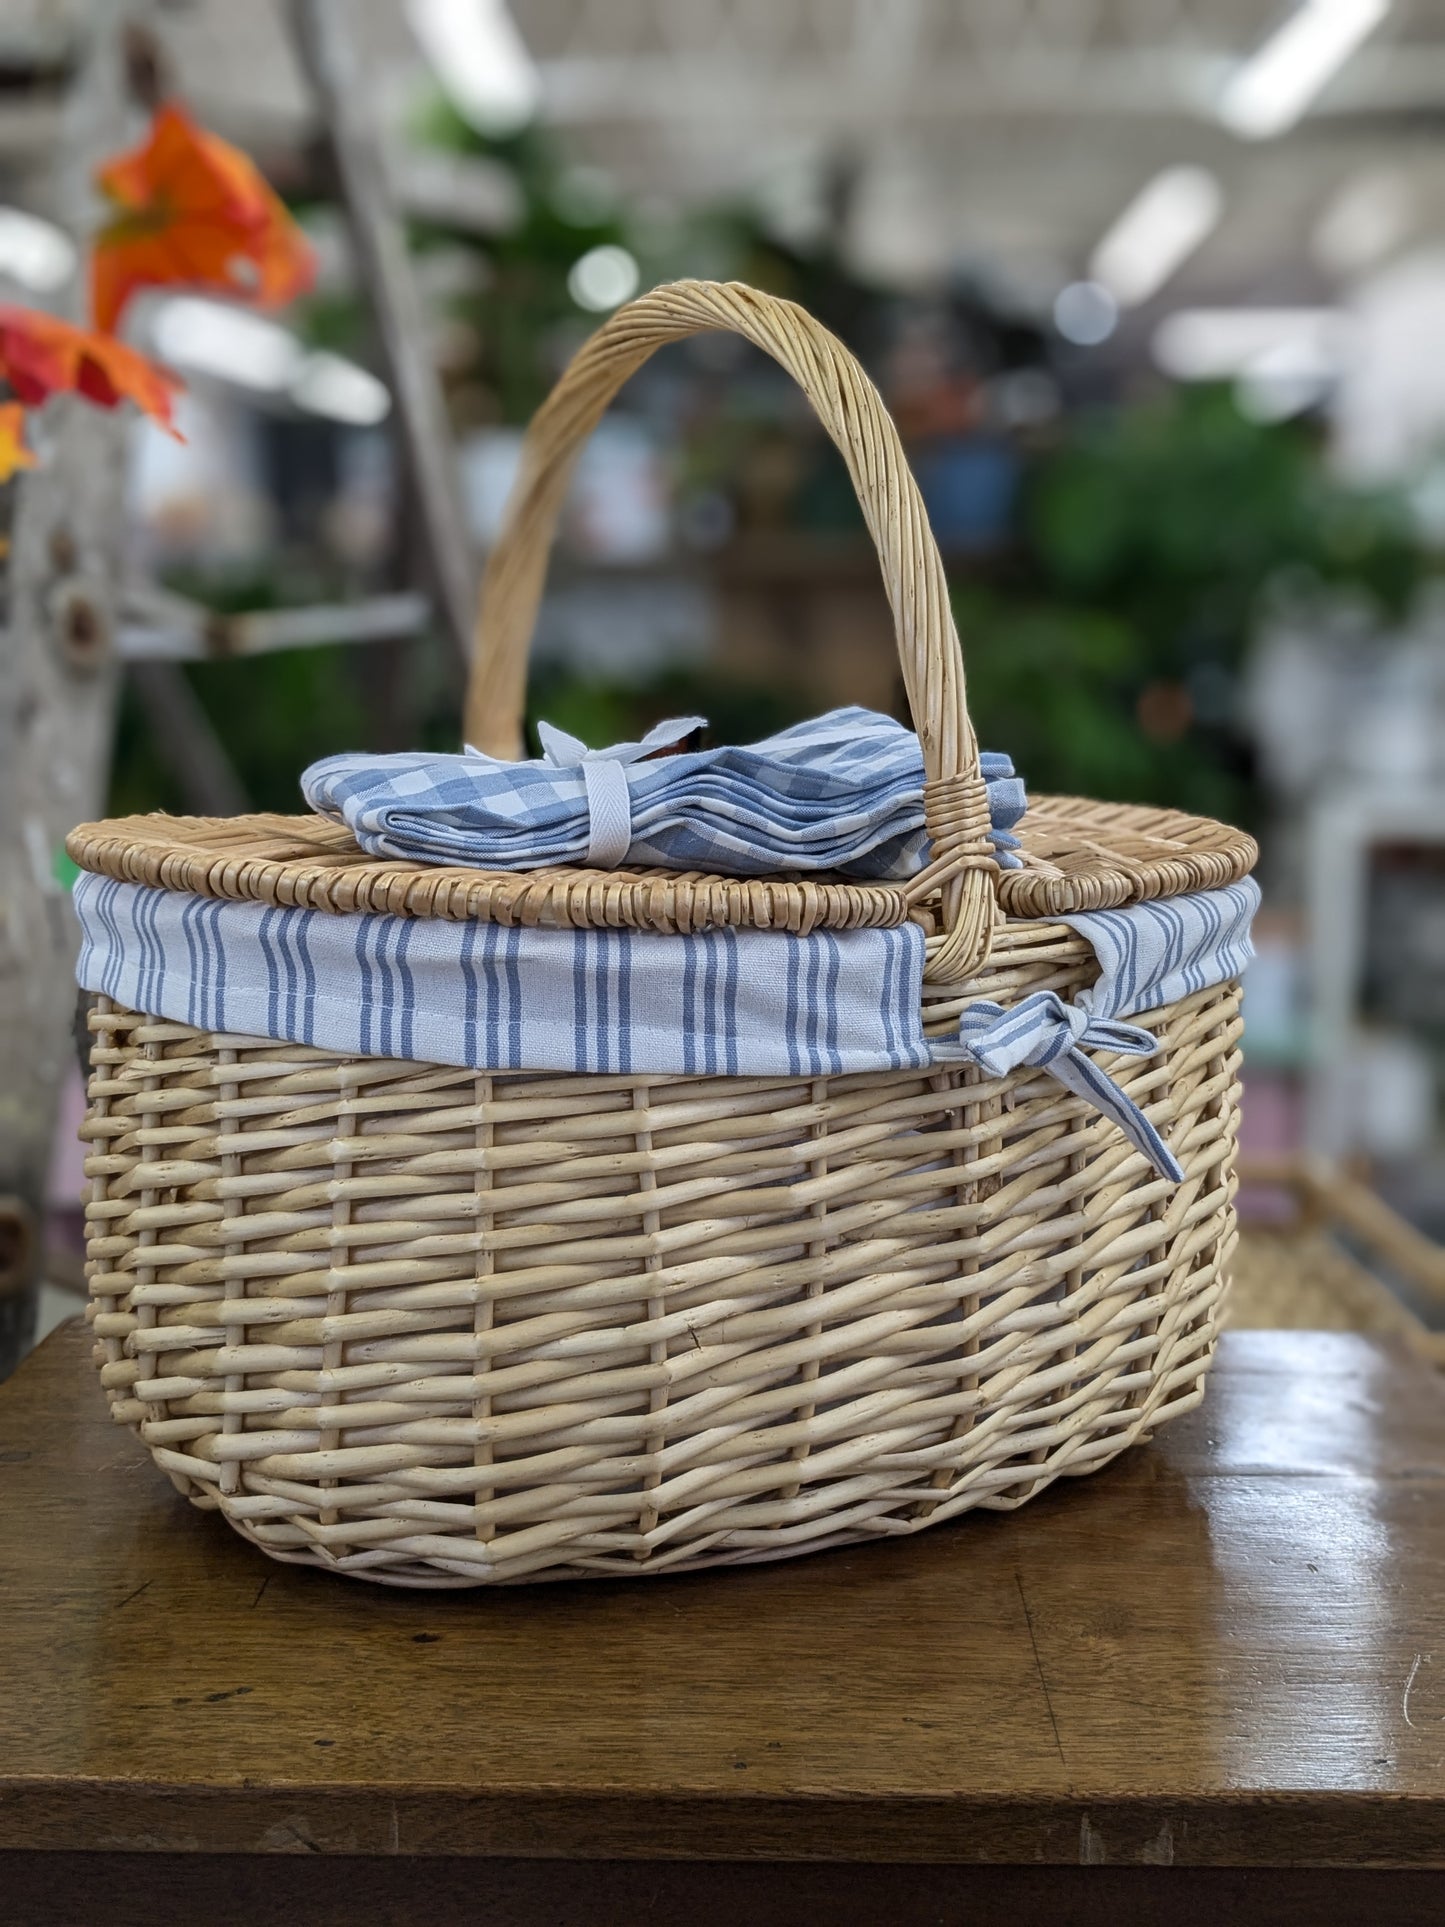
pixel 1155 290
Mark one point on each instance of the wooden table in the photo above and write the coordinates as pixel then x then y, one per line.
pixel 1209 1681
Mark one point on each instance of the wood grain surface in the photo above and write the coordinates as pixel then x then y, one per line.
pixel 1226 1650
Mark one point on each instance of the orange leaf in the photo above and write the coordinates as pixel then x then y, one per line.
pixel 13 452
pixel 192 210
pixel 41 355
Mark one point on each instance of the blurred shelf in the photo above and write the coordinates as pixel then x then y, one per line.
pixel 760 559
pixel 159 626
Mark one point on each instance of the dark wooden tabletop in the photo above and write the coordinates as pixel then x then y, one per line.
pixel 1227 1650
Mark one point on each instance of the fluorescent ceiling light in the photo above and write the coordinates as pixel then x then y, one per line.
pixel 331 385
pixel 1157 232
pixel 481 60
pixel 1086 313
pixel 1218 344
pixel 233 345
pixel 603 278
pixel 33 252
pixel 1269 92
pixel 210 338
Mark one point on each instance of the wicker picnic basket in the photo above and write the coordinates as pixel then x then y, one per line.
pixel 440 1327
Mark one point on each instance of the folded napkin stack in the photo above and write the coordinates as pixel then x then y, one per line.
pixel 843 793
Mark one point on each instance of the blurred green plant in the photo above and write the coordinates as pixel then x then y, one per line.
pixel 276 713
pixel 601 711
pixel 525 319
pixel 1105 656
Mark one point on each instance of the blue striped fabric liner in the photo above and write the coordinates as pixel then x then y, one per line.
pixel 746 1003
pixel 1150 955
pixel 842 793
pixel 743 1003
pixel 1155 953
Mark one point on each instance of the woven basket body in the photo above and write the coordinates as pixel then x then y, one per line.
pixel 441 1328
pixel 437 1327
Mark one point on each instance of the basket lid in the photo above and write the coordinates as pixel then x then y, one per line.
pixel 1074 856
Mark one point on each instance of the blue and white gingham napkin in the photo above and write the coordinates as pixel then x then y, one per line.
pixel 842 793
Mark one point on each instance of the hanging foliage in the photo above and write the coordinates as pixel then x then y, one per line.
pixel 188 210
pixel 41 355
pixel 192 211
pixel 13 452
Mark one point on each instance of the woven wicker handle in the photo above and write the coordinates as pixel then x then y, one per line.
pixel 850 408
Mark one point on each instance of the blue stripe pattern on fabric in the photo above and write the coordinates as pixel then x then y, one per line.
pixel 1150 954
pixel 842 793
pixel 219 968
pixel 1155 953
pixel 748 1003
pixel 1045 1031
pixel 745 1002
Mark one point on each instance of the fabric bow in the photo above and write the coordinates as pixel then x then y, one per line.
pixel 1045 1031
pixel 609 801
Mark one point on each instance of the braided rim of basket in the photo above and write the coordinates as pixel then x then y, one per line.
pixel 963 871
pixel 1076 856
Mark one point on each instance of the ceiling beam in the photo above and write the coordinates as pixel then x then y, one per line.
pixel 1142 83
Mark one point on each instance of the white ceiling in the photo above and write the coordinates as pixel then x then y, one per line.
pixel 1001 135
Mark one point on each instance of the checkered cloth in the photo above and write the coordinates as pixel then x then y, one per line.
pixel 843 793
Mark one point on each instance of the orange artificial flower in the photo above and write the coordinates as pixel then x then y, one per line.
pixel 195 211
pixel 40 355
pixel 13 452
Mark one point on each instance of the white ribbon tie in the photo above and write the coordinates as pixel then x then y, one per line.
pixel 604 771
